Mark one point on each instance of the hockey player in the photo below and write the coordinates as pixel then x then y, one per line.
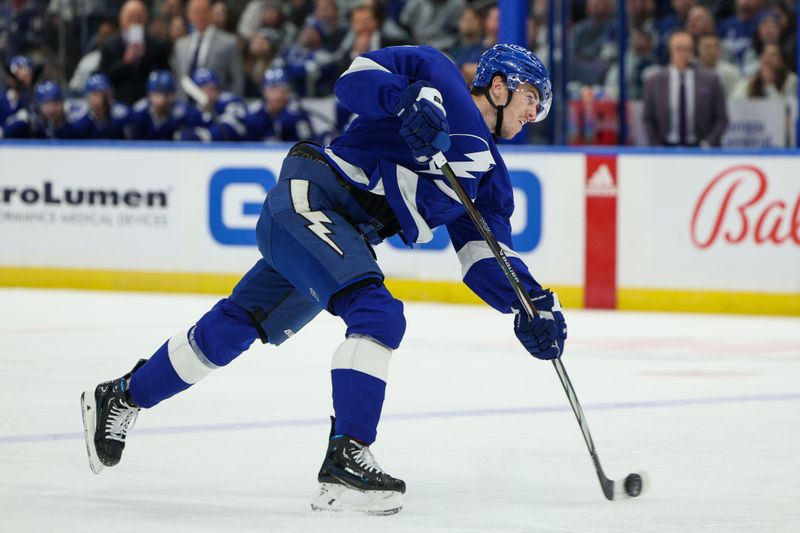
pixel 159 116
pixel 279 116
pixel 316 227
pixel 103 117
pixel 51 118
pixel 219 117
pixel 17 96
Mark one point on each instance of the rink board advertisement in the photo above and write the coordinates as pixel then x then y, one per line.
pixel 606 229
pixel 182 218
pixel 710 224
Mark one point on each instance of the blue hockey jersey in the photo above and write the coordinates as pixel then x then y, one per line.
pixel 373 156
pixel 147 125
pixel 225 122
pixel 116 125
pixel 11 102
pixel 27 125
pixel 291 124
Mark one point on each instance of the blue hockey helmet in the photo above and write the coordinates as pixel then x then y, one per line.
pixel 205 76
pixel 517 65
pixel 274 76
pixel 48 91
pixel 18 62
pixel 97 83
pixel 160 81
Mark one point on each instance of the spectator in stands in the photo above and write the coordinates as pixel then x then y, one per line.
pixel 102 117
pixel 128 57
pixel 265 18
pixel 699 22
pixel 90 63
pixel 490 25
pixel 773 79
pixel 709 55
pixel 177 29
pixel 167 9
pixel 670 23
pixel 22 27
pixel 470 34
pixel 684 106
pixel 159 116
pixel 258 57
pixel 768 31
pixel 298 10
pixel 432 22
pixel 278 117
pixel 208 47
pixel 786 17
pixel 17 97
pixel 737 32
pixel 311 69
pixel 641 16
pixel 364 35
pixel 216 115
pixel 639 61
pixel 326 17
pixel 219 15
pixel 593 43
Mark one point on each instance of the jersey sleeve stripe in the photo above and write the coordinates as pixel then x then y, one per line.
pixel 362 63
pixel 475 251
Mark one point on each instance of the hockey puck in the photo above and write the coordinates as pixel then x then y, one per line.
pixel 633 485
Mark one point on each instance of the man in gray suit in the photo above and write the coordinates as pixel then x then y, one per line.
pixel 208 47
pixel 683 105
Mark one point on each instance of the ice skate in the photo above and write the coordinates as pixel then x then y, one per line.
pixel 108 415
pixel 351 480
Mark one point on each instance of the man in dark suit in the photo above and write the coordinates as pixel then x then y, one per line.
pixel 128 57
pixel 208 47
pixel 683 105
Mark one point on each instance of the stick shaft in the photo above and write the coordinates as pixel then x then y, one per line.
pixel 477 219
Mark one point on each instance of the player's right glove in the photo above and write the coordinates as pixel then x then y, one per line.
pixel 543 335
pixel 424 127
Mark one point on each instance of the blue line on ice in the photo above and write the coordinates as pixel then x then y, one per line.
pixel 470 413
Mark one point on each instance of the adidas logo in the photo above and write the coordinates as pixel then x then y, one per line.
pixel 601 183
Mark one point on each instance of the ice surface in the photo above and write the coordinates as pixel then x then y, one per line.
pixel 481 432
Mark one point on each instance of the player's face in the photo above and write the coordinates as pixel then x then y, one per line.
pixel 277 96
pixel 159 101
pixel 97 100
pixel 24 75
pixel 523 109
pixel 211 91
pixel 53 111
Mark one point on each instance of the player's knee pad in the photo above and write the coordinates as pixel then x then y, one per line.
pixel 370 310
pixel 221 334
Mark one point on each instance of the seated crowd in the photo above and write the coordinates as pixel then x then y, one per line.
pixel 250 64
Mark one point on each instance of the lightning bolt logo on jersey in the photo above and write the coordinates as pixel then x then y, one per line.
pixel 318 219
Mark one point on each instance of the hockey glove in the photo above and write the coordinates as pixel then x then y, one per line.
pixel 424 126
pixel 543 335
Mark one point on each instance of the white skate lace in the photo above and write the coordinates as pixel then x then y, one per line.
pixel 121 418
pixel 364 458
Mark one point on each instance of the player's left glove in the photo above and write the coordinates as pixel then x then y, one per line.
pixel 543 335
pixel 424 127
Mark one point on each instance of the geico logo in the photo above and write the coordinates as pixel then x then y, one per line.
pixel 526 222
pixel 47 194
pixel 236 195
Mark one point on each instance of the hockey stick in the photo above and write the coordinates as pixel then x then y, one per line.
pixel 633 484
pixel 194 91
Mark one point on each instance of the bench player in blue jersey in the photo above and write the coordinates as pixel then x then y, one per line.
pixel 315 233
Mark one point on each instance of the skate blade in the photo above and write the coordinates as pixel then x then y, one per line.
pixel 89 410
pixel 339 498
